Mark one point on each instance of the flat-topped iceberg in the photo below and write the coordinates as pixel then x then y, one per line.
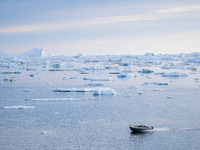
pixel 174 74
pixel 96 91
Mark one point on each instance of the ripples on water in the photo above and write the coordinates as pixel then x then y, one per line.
pixel 39 118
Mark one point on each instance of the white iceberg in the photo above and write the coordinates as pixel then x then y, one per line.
pixel 104 91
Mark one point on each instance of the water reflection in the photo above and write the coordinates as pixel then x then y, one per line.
pixel 141 134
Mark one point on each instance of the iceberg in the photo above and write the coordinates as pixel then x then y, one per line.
pixel 104 91
pixel 174 74
pixel 157 83
pixel 145 71
pixel 124 75
pixel 96 91
pixel 35 53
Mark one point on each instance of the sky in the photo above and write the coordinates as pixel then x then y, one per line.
pixel 100 27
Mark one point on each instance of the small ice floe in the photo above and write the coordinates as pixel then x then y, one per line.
pixel 48 83
pixel 125 75
pixel 104 91
pixel 132 87
pixel 65 78
pixel 26 90
pixel 159 90
pixel 74 90
pixel 18 107
pixel 128 95
pixel 101 79
pixel 145 71
pixel 58 99
pixel 10 72
pixel 114 73
pixel 171 97
pixel 32 75
pixel 157 83
pixel 140 93
pixel 95 84
pixel 174 74
pixel 98 79
pixel 168 65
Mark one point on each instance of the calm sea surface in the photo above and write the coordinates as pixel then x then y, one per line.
pixel 99 122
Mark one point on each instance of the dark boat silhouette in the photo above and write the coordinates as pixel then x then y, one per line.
pixel 140 128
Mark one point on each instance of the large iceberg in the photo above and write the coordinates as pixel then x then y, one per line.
pixel 35 53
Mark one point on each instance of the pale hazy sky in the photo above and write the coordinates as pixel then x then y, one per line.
pixel 102 27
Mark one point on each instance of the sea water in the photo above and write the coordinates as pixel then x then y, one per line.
pixel 33 116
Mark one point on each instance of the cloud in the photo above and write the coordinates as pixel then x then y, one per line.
pixel 154 15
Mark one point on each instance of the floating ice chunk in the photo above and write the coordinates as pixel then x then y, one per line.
pixel 132 87
pixel 101 79
pixel 65 78
pixel 174 74
pixel 32 75
pixel 26 90
pixel 140 93
pixel 157 83
pixel 11 72
pixel 171 97
pixel 55 65
pixel 18 107
pixel 128 95
pixel 58 99
pixel 145 71
pixel 48 83
pixel 74 90
pixel 124 75
pixel 168 65
pixel 95 84
pixel 104 91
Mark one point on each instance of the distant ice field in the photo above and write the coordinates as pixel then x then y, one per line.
pixel 88 102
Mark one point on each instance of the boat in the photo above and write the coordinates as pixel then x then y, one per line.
pixel 140 128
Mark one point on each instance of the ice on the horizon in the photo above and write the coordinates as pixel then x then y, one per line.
pixel 18 107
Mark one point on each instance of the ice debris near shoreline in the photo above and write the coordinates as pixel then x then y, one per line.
pixel 95 91
pixel 18 107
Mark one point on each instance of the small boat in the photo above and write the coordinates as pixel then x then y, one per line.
pixel 140 128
